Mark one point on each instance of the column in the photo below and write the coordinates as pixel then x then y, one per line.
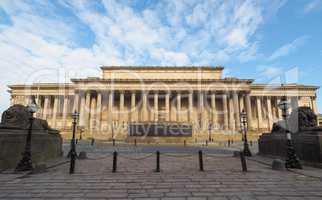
pixel 236 110
pixel 178 106
pixel 133 108
pixel 98 110
pixel 46 104
pixel 314 106
pixel 167 106
pixel 225 110
pixel 82 110
pixel 76 102
pixel 278 100
pixel 87 108
pixel 213 109
pixel 156 106
pixel 249 112
pixel 144 106
pixel 201 110
pixel 65 109
pixel 121 111
pixel 269 113
pixel 232 123
pixel 92 114
pixel 55 110
pixel 259 112
pixel 110 106
pixel 190 111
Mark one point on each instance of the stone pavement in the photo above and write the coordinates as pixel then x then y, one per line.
pixel 179 179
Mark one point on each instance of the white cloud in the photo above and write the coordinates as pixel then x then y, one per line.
pixel 313 6
pixel 288 48
pixel 42 45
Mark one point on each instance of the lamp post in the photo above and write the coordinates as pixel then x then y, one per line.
pixel 209 132
pixel 25 163
pixel 73 153
pixel 243 118
pixel 292 160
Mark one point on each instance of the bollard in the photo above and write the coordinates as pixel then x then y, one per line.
pixel 206 143
pixel 158 162
pixel 200 161
pixel 76 141
pixel 184 143
pixel 114 161
pixel 92 141
pixel 228 143
pixel 134 142
pixel 243 161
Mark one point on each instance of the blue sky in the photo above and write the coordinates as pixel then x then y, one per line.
pixel 53 41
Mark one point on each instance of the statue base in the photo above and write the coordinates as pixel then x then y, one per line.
pixel 45 145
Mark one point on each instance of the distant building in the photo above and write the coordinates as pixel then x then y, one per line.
pixel 198 96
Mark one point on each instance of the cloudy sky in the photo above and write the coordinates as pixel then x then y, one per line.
pixel 266 40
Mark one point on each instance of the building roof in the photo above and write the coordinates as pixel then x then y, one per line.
pixel 163 67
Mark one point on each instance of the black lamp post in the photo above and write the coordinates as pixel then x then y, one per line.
pixel 243 118
pixel 292 160
pixel 73 153
pixel 25 163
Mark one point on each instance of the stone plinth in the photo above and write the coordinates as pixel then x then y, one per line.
pixel 45 145
pixel 307 144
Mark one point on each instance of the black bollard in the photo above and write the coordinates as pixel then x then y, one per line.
pixel 200 161
pixel 243 161
pixel 158 162
pixel 114 161
pixel 184 143
pixel 134 142
pixel 228 143
pixel 206 142
pixel 76 141
pixel 113 142
pixel 92 141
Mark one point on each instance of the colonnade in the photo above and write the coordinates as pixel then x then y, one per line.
pixel 205 110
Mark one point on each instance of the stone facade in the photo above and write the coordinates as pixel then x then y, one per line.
pixel 199 96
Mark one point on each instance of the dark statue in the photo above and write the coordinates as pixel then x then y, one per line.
pixel 302 118
pixel 17 117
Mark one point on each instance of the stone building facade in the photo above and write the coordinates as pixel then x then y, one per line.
pixel 198 96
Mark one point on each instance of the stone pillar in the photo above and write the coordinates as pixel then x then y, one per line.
pixel 76 102
pixel 225 110
pixel 65 110
pixel 236 109
pixel 92 114
pixel 110 106
pixel 201 110
pixel 259 112
pixel 314 106
pixel 156 106
pixel 213 109
pixel 133 108
pixel 167 106
pixel 82 110
pixel 232 122
pixel 98 110
pixel 46 105
pixel 249 112
pixel 121 111
pixel 55 110
pixel 269 113
pixel 144 106
pixel 178 106
pixel 190 109
pixel 87 108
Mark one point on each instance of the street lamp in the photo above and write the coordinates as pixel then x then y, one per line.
pixel 73 153
pixel 243 119
pixel 292 160
pixel 25 163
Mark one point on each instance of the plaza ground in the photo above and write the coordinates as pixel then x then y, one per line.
pixel 179 178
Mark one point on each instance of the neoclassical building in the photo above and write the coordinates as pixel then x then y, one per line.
pixel 196 96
